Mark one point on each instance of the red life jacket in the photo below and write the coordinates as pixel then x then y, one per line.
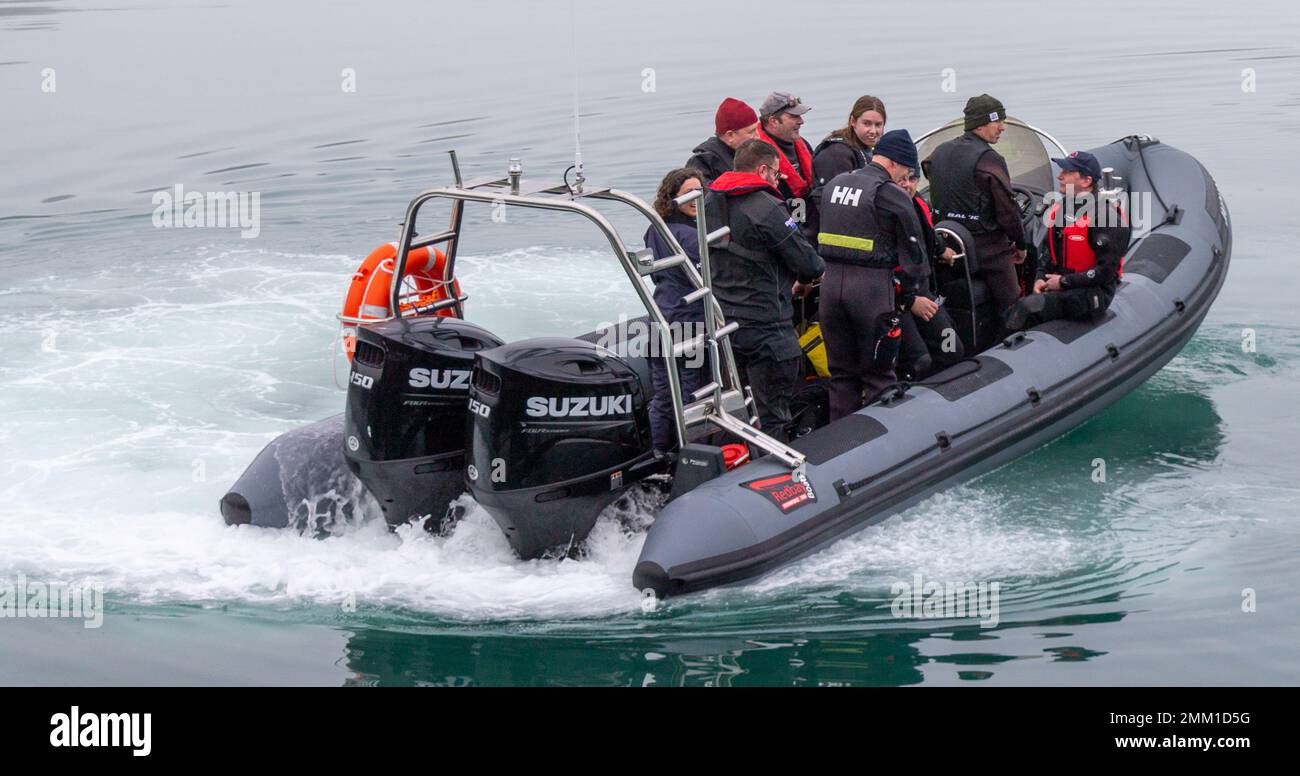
pixel 925 210
pixel 1079 255
pixel 733 184
pixel 799 186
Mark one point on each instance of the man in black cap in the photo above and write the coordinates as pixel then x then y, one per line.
pixel 970 184
pixel 868 227
pixel 1085 249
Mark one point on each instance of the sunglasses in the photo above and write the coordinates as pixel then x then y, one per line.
pixel 793 102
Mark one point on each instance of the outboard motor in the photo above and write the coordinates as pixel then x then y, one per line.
pixel 404 432
pixel 558 429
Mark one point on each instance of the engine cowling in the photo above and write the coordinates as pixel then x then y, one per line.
pixel 558 429
pixel 405 422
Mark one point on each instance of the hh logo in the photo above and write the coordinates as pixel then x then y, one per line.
pixel 846 195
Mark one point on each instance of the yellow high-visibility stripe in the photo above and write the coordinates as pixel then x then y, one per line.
pixel 845 241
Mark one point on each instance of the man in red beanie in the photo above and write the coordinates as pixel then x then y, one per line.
pixel 734 123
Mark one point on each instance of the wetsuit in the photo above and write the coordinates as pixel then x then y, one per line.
pixel 928 346
pixel 868 226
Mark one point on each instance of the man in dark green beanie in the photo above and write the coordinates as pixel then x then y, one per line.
pixel 983 110
pixel 970 184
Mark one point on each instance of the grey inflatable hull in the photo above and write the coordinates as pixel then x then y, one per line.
pixel 300 481
pixel 970 419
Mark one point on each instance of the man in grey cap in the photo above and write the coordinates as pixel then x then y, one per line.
pixel 780 118
pixel 970 184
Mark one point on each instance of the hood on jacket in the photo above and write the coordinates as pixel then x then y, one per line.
pixel 712 145
pixel 834 140
pixel 733 184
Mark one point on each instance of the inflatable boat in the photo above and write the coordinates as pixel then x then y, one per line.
pixel 545 433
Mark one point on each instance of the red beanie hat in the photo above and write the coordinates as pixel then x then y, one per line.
pixel 733 114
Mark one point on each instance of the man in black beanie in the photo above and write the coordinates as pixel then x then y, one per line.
pixel 970 184
pixel 868 227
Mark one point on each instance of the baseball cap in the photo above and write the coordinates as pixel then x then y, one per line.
pixel 778 102
pixel 1082 162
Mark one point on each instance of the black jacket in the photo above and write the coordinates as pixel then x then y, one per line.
pixel 920 280
pixel 712 158
pixel 672 284
pixel 755 266
pixel 832 157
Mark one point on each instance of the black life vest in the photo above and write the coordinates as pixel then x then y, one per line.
pixel 848 219
pixel 952 184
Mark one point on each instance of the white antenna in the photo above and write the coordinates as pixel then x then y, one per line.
pixel 577 131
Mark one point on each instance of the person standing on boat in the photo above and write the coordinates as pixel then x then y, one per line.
pixel 670 286
pixel 930 341
pixel 970 184
pixel 1085 249
pixel 755 270
pixel 781 116
pixel 850 147
pixel 868 227
pixel 733 123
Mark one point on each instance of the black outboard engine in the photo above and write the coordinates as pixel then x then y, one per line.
pixel 558 429
pixel 404 432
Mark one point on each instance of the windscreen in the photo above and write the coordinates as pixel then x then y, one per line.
pixel 1026 152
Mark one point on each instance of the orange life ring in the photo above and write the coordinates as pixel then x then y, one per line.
pixel 368 296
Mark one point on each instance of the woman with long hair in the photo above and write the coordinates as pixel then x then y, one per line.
pixel 670 286
pixel 849 147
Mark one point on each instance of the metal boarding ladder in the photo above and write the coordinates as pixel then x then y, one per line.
pixel 715 402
